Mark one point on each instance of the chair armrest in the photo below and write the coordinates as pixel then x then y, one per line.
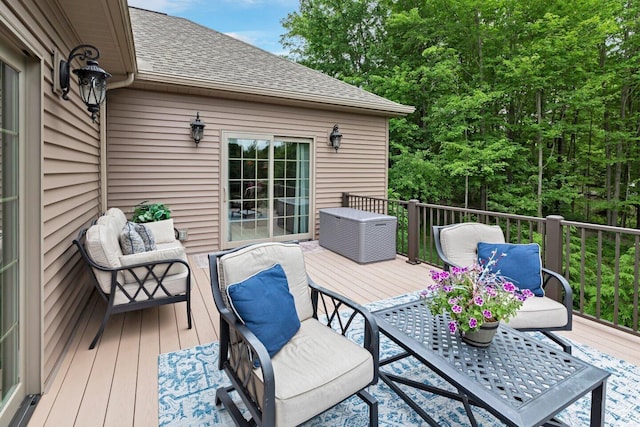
pixel 331 302
pixel 567 298
pixel 447 264
pixel 241 352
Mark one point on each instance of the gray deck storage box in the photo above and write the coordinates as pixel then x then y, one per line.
pixel 359 235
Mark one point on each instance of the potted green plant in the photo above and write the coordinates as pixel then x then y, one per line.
pixel 475 299
pixel 150 212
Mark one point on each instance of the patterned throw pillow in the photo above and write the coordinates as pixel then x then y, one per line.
pixel 130 240
pixel 147 237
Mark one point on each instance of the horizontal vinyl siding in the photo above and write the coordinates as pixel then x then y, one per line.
pixel 151 155
pixel 70 172
pixel 70 179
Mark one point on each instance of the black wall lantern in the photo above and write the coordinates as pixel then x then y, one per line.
pixel 197 129
pixel 91 78
pixel 335 138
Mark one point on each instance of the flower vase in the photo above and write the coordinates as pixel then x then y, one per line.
pixel 483 336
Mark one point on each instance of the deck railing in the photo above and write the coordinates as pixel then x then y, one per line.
pixel 601 263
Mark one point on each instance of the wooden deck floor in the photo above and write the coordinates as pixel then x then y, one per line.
pixel 116 383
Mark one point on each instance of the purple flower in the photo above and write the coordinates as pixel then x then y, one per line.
pixel 509 287
pixel 487 314
pixel 458 270
pixel 453 326
pixel 453 300
pixel 473 322
pixel 491 291
pixel 447 288
pixel 477 300
pixel 527 293
pixel 456 309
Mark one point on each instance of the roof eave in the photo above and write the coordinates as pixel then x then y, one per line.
pixel 389 109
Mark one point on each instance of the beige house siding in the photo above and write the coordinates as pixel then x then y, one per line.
pixel 151 155
pixel 69 176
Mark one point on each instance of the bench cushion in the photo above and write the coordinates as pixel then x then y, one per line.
pixel 103 246
pixel 117 214
pixel 166 253
pixel 104 249
pixel 163 231
pixel 175 285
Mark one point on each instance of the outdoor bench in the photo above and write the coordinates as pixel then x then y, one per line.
pixel 126 282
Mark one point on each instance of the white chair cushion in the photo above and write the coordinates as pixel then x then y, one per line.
pixel 152 256
pixel 104 249
pixel 118 215
pixel 315 370
pixel 237 266
pixel 539 312
pixel 459 242
pixel 162 231
pixel 176 285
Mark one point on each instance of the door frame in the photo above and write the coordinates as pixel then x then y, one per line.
pixel 20 55
pixel 225 243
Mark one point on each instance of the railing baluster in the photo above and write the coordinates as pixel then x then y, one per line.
pixel 599 276
pixel 635 282
pixel 616 282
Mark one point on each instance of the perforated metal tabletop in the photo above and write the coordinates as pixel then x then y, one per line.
pixel 519 379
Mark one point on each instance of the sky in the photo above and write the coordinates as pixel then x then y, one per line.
pixel 256 22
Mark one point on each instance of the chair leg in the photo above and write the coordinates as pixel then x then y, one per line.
pixel 189 313
pixel 372 402
pixel 101 329
pixel 566 347
pixel 223 397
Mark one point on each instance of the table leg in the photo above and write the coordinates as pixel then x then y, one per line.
pixel 598 396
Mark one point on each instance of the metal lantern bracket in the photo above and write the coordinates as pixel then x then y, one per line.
pixel 335 138
pixel 91 78
pixel 197 129
pixel 84 52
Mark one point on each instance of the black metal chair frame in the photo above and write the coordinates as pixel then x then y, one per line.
pixel 155 295
pixel 547 275
pixel 241 350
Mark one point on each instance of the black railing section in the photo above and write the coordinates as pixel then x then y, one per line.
pixel 602 263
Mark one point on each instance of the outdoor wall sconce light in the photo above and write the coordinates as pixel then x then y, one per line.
pixel 335 138
pixel 197 129
pixel 91 78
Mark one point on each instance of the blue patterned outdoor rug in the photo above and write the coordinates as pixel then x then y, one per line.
pixel 188 379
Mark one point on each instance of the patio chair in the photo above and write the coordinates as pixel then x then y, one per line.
pixel 285 351
pixel 457 245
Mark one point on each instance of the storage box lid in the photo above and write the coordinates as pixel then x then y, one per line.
pixel 356 214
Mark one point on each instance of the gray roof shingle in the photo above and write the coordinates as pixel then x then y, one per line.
pixel 175 47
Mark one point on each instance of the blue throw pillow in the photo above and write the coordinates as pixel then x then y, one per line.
pixel 265 305
pixel 522 264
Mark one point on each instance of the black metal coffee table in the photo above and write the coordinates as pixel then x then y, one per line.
pixel 519 379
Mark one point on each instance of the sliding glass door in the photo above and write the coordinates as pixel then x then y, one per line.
pixel 267 188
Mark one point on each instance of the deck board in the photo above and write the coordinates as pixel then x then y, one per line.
pixel 122 398
pixel 116 383
pixel 147 391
